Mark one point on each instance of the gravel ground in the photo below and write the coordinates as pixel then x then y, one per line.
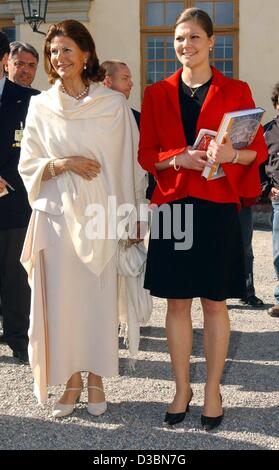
pixel 138 399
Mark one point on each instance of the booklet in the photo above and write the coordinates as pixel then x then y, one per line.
pixel 242 127
pixel 202 142
pixel 203 139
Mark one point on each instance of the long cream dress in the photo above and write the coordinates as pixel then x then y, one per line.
pixel 73 320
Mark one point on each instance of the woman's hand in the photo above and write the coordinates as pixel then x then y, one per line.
pixel 82 166
pixel 221 153
pixel 2 185
pixel 274 194
pixel 191 159
pixel 138 235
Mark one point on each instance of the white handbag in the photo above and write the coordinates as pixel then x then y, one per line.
pixel 130 258
pixel 134 302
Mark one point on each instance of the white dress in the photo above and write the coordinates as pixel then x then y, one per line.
pixel 74 318
pixel 81 309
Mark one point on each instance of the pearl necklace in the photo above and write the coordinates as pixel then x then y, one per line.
pixel 77 97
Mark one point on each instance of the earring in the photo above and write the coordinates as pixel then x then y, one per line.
pixel 211 49
pixel 85 66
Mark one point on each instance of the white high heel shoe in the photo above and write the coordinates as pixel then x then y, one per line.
pixel 61 409
pixel 96 409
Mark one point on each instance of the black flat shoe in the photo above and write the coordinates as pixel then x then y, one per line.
pixel 3 339
pixel 175 418
pixel 208 422
pixel 22 356
pixel 252 300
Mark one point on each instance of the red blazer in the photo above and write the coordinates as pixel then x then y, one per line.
pixel 162 136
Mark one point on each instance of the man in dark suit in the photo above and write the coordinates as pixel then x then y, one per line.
pixel 22 63
pixel 14 212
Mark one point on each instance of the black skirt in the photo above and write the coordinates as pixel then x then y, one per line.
pixel 209 263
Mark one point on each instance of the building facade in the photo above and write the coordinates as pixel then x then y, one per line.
pixel 140 32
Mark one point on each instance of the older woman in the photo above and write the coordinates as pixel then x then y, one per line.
pixel 79 146
pixel 173 112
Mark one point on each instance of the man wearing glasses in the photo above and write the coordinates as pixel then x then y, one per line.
pixel 22 63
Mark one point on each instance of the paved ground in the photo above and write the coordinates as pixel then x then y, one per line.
pixel 138 400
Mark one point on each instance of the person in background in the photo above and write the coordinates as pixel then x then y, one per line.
pixel 118 77
pixel 79 145
pixel 270 186
pixel 22 63
pixel 212 268
pixel 246 224
pixel 14 212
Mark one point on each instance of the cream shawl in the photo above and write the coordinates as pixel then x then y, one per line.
pixel 100 127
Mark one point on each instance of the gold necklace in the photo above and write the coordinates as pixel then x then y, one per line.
pixel 77 97
pixel 193 90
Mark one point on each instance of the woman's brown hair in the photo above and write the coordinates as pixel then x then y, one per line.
pixel 81 36
pixel 275 95
pixel 200 16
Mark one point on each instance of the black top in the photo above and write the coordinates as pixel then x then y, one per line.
pixel 191 101
pixel 14 208
pixel 190 109
pixel 270 168
pixel 136 116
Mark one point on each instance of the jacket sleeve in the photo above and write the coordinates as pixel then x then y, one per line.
pixel 245 180
pixel 150 146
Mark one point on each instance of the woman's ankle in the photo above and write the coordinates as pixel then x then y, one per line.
pixel 96 393
pixel 95 380
pixel 75 381
pixel 212 389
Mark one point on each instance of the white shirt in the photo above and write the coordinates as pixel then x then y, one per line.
pixel 2 83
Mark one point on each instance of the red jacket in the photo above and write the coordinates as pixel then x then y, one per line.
pixel 162 136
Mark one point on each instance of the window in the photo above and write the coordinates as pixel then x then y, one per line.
pixel 157 20
pixel 7 26
pixel 161 60
pixel 161 13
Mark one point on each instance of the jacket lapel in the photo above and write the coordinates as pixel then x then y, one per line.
pixel 8 96
pixel 6 91
pixel 206 117
pixel 212 99
pixel 14 105
pixel 171 85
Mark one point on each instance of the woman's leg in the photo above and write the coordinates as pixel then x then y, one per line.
pixel 216 342
pixel 95 395
pixel 70 397
pixel 180 336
